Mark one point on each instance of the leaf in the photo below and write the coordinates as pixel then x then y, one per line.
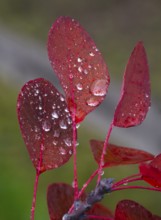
pixel 45 123
pixel 130 210
pixel 79 66
pixel 99 210
pixel 151 172
pixel 135 95
pixel 60 197
pixel 118 155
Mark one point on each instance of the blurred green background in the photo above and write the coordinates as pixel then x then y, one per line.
pixel 115 26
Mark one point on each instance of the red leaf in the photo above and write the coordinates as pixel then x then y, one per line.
pixel 130 210
pixel 60 197
pixel 45 123
pixel 99 210
pixel 118 155
pixel 79 65
pixel 135 96
pixel 151 172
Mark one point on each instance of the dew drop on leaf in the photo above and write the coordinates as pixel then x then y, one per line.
pixel 62 151
pixel 54 114
pixel 99 87
pixel 46 126
pixel 62 124
pixel 92 101
pixel 68 142
pixel 79 86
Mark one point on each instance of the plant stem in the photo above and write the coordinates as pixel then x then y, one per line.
pixel 83 188
pixel 38 172
pixel 128 179
pixel 34 196
pixel 75 184
pixel 136 187
pixel 104 152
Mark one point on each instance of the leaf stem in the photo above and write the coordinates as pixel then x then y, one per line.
pixel 128 179
pixel 38 172
pixel 34 196
pixel 104 152
pixel 136 187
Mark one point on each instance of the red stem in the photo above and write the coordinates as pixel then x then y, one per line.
pixel 34 196
pixel 38 172
pixel 83 188
pixel 127 180
pixel 104 152
pixel 75 178
pixel 136 187
pixel 75 184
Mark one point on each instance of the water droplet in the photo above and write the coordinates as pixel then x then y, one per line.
pixel 146 96
pixel 91 54
pixel 79 86
pixel 46 126
pixel 89 66
pixel 80 69
pixel 77 143
pixel 62 98
pixel 63 124
pixel 125 183
pixel 66 110
pixel 71 76
pixel 92 101
pixel 69 121
pixel 79 60
pixel 99 87
pixel 85 71
pixel 40 107
pixel 37 91
pixel 62 151
pixel 45 94
pixel 54 115
pixel 77 126
pixel 70 152
pixel 55 142
pixel 68 142
pixel 56 133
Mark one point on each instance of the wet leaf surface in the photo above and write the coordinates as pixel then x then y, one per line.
pixel 151 172
pixel 135 95
pixel 130 210
pixel 45 123
pixel 79 66
pixel 118 155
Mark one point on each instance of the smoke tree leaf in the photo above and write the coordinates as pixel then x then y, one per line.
pixel 151 172
pixel 118 155
pixel 79 66
pixel 135 95
pixel 45 123
pixel 130 210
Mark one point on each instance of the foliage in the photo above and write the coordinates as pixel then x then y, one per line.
pixel 49 123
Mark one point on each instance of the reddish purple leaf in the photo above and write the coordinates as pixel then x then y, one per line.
pixel 99 210
pixel 45 123
pixel 130 210
pixel 60 197
pixel 135 96
pixel 151 172
pixel 79 65
pixel 118 155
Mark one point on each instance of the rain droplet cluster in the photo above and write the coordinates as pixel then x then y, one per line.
pixel 45 121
